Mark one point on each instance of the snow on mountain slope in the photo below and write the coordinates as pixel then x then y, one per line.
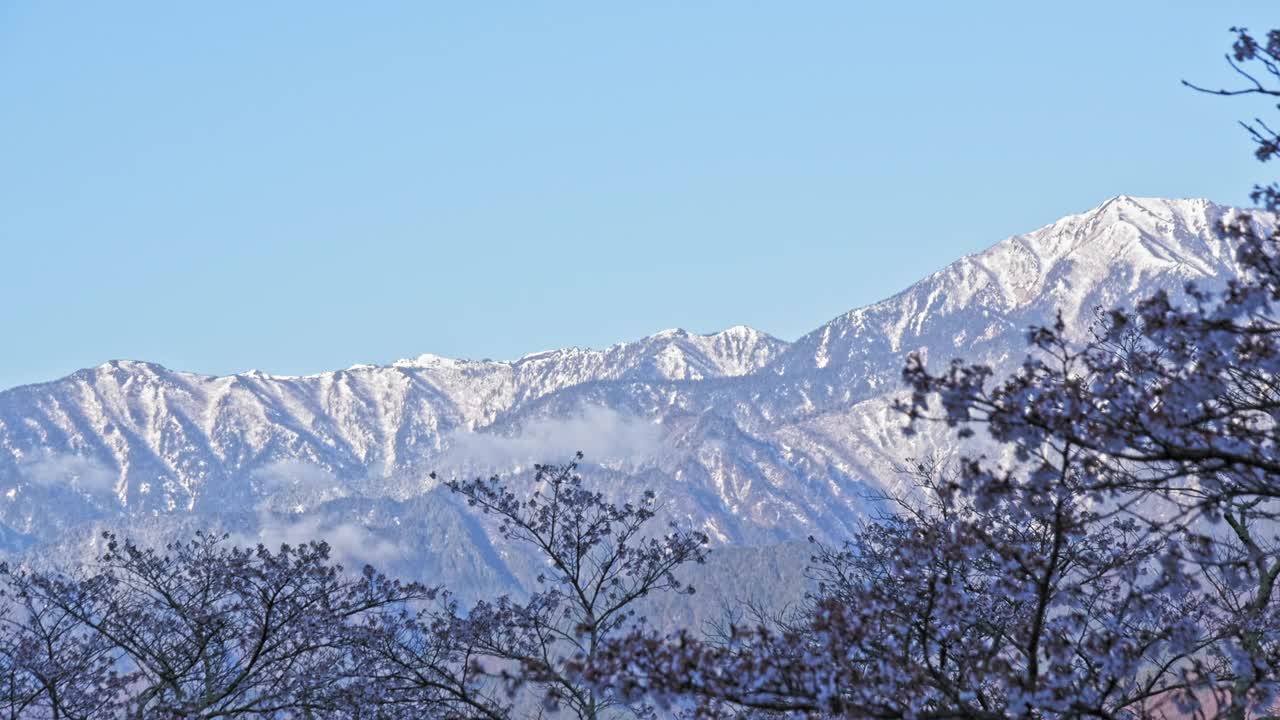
pixel 981 305
pixel 796 447
pixel 160 440
pixel 751 438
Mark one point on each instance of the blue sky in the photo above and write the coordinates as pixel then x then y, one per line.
pixel 303 186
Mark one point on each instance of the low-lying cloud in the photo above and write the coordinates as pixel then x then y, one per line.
pixel 55 470
pixel 295 475
pixel 351 544
pixel 291 491
pixel 603 434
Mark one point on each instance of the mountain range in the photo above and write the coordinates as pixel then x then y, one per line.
pixel 755 440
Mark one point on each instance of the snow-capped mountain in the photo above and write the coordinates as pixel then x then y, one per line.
pixel 753 439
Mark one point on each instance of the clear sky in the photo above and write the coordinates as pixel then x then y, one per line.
pixel 298 187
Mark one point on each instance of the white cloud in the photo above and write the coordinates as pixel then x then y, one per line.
pixel 292 487
pixel 602 434
pixel 75 471
pixel 351 544
pixel 295 485
pixel 294 474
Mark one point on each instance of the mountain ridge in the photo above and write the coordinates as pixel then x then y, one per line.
pixel 431 359
pixel 752 438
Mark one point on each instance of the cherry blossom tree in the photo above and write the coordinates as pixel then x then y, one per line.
pixel 424 663
pixel 1173 406
pixel 1256 61
pixel 1122 564
pixel 600 560
pixel 206 629
pixel 51 665
pixel 200 629
pixel 1017 601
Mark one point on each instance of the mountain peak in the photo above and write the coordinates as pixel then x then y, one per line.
pixel 669 333
pixel 736 425
pixel 742 331
pixel 428 360
pixel 1146 213
pixel 733 331
pixel 1100 257
pixel 125 364
pixel 1145 233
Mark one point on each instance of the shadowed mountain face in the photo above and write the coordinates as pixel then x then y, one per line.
pixel 750 438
